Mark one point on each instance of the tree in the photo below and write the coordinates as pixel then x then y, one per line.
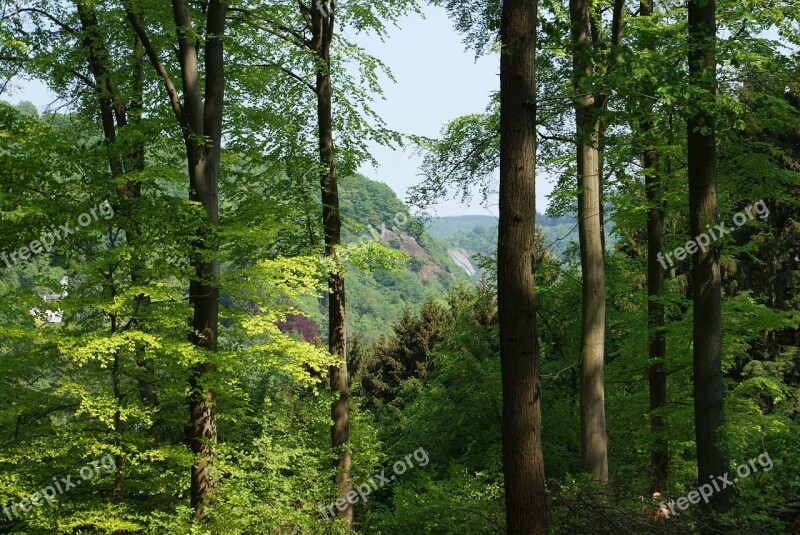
pixel 588 124
pixel 709 410
pixel 200 116
pixel 657 348
pixel 523 463
pixel 321 23
pixel 302 50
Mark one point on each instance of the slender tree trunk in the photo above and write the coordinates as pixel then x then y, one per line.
pixel 523 463
pixel 657 346
pixel 603 95
pixel 97 56
pixel 111 109
pixel 323 27
pixel 134 162
pixel 709 409
pixel 594 438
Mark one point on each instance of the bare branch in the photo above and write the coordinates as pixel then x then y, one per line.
pixel 306 14
pixel 560 139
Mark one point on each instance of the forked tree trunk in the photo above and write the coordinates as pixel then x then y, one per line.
pixel 657 345
pixel 322 30
pixel 200 116
pixel 204 166
pixel 709 410
pixel 523 463
pixel 594 438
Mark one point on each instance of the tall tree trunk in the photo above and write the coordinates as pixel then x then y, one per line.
pixel 657 345
pixel 204 165
pixel 594 438
pixel 97 56
pixel 323 27
pixel 148 386
pixel 523 463
pixel 119 430
pixel 709 409
pixel 200 116
pixel 112 108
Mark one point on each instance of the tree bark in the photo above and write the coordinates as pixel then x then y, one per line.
pixel 523 463
pixel 200 116
pixel 657 345
pixel 594 438
pixel 113 110
pixel 204 119
pixel 119 430
pixel 706 278
pixel 97 56
pixel 322 35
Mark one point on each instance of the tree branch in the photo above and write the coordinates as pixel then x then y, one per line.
pixel 190 70
pixel 287 72
pixel 304 11
pixel 560 139
pixel 298 41
pixel 51 18
pixel 174 100
pixel 282 27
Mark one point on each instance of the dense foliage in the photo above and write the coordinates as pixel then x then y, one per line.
pixel 100 239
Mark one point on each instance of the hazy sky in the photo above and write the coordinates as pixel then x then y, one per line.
pixel 437 81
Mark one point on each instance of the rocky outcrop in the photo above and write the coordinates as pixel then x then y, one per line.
pixel 461 258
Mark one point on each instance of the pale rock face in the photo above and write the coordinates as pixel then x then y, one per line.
pixel 461 258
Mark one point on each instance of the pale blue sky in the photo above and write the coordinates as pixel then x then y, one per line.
pixel 437 81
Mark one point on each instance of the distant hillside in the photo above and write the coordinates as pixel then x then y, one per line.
pixel 441 254
pixel 478 233
pixel 371 210
pixel 445 228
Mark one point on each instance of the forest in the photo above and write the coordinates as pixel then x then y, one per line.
pixel 213 317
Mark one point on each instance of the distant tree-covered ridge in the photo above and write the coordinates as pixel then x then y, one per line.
pixel 372 212
pixel 477 234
